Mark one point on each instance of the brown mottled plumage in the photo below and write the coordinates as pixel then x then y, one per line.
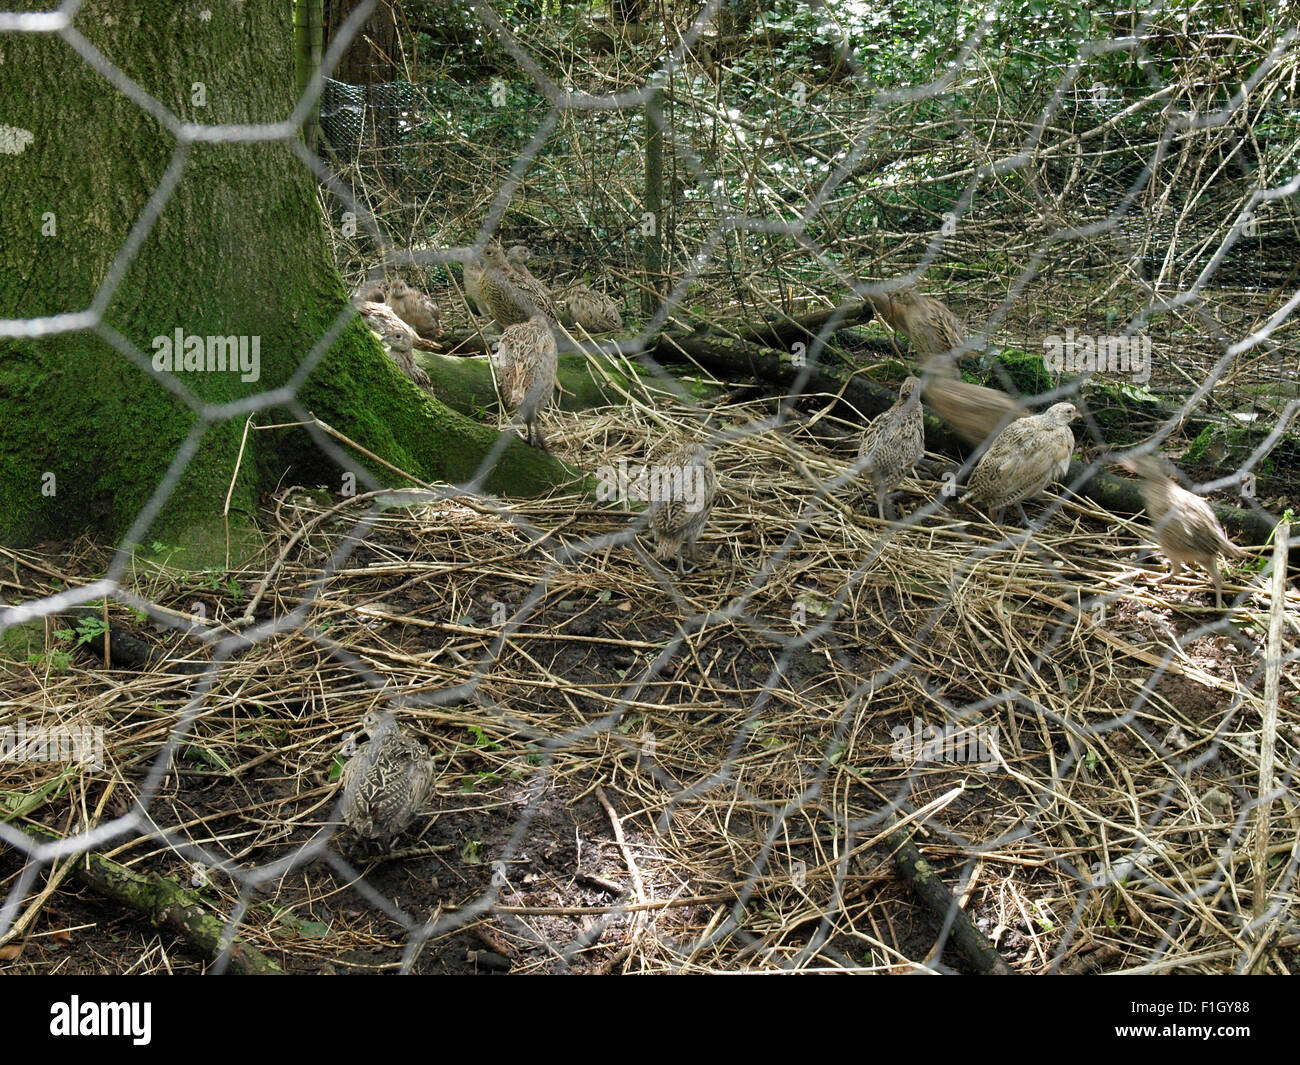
pixel 894 443
pixel 1185 525
pixel 592 310
pixel 931 327
pixel 384 320
pixel 511 294
pixel 686 486
pixel 526 362
pixel 398 344
pixel 386 782
pixel 1023 459
pixel 516 256
pixel 414 308
pixel 474 286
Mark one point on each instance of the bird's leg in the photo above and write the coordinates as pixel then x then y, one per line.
pixel 997 516
pixel 1218 582
pixel 691 553
pixel 1024 518
pixel 1175 568
pixel 535 437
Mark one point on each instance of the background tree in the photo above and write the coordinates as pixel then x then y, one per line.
pixel 108 209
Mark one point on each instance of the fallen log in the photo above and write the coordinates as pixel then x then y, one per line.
pixel 860 398
pixel 166 905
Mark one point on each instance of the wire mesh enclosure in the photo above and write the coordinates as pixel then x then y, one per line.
pixel 743 753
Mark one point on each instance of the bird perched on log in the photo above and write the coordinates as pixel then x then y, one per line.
pixel 526 361
pixel 931 327
pixel 686 485
pixel 592 310
pixel 510 295
pixel 398 344
pixel 474 285
pixel 386 782
pixel 383 320
pixel 894 443
pixel 519 256
pixel 1185 525
pixel 1023 459
pixel 414 308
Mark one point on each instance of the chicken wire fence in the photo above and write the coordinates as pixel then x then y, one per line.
pixel 1150 197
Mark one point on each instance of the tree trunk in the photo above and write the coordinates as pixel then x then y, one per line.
pixel 372 53
pixel 307 29
pixel 87 435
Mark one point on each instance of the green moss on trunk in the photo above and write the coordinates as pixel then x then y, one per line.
pixel 88 436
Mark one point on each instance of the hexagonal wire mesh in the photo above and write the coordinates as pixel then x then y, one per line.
pixel 1012 701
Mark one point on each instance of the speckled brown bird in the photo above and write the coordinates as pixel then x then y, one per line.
pixel 893 443
pixel 1027 456
pixel 414 308
pixel 510 295
pixel 1185 525
pixel 398 344
pixel 526 362
pixel 684 488
pixel 517 255
pixel 592 310
pixel 932 328
pixel 386 782
pixel 474 285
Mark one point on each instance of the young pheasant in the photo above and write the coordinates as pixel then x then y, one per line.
pixel 932 328
pixel 1023 459
pixel 893 443
pixel 592 310
pixel 686 485
pixel 1185 526
pixel 516 256
pixel 386 782
pixel 511 294
pixel 526 361
pixel 398 344
pixel 474 286
pixel 414 308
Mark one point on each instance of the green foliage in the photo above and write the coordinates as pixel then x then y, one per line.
pixel 482 741
pixel 1026 369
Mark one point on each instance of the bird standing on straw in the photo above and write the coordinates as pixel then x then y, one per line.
pixel 527 364
pixel 386 782
pixel 893 443
pixel 1185 525
pixel 688 487
pixel 1024 458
